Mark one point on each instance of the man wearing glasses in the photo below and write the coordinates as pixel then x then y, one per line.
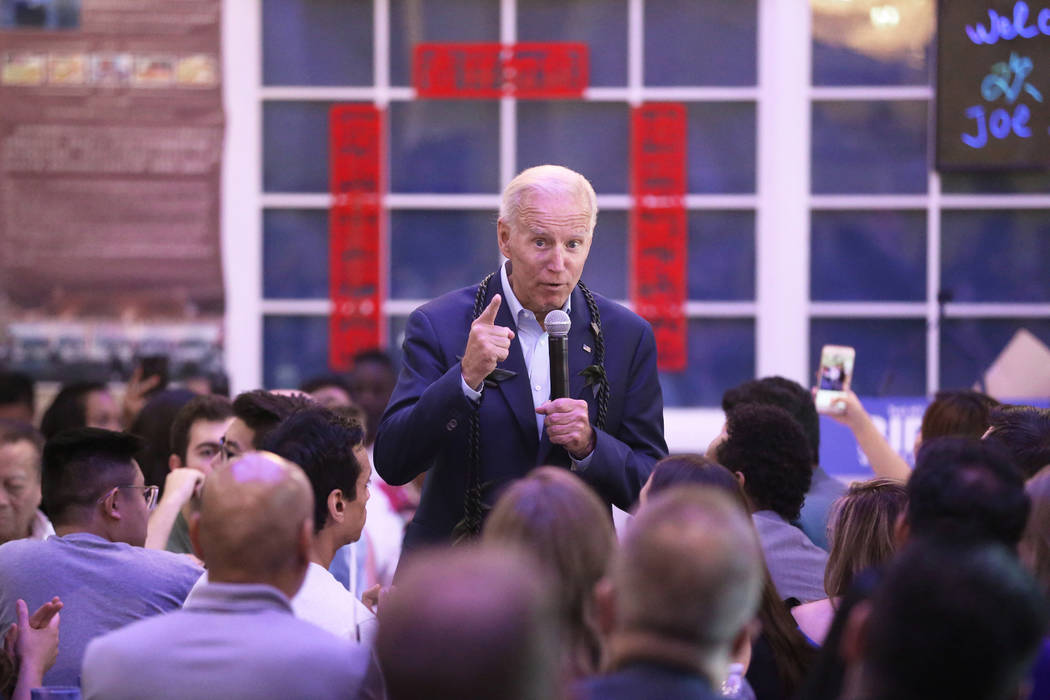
pixel 99 503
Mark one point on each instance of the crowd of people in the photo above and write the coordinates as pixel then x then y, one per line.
pixel 180 544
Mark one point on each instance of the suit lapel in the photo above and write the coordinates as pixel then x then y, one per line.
pixel 515 391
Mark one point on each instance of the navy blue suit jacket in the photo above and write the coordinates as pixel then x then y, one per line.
pixel 426 425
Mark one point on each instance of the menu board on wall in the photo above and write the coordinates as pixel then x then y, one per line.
pixel 111 132
pixel 993 85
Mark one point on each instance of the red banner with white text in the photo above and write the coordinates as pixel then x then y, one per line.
pixel 659 229
pixel 356 254
pixel 526 70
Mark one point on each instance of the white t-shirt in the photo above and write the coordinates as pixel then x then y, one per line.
pixel 324 602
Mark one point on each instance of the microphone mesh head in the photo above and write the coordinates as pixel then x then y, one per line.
pixel 557 323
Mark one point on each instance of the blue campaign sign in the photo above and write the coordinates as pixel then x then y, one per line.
pixel 898 418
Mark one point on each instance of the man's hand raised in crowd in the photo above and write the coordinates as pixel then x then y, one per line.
pixel 569 425
pixel 487 345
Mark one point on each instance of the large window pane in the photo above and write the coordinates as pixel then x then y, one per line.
pixel 721 255
pixel 721 147
pixel 294 348
pixel 891 354
pixel 606 270
pixel 417 21
pixel 319 42
pixel 721 355
pixel 970 346
pixel 701 43
pixel 295 253
pixel 295 146
pixel 870 44
pixel 589 137
pixel 433 252
pixel 996 255
pixel 869 147
pixel 444 146
pixel 868 256
pixel 601 24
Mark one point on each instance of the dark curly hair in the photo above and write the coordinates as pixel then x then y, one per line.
pixel 967 489
pixel 768 447
pixel 782 393
pixel 322 443
pixel 1024 432
pixel 262 410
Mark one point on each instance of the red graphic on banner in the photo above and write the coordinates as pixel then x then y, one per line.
pixel 659 232
pixel 355 233
pixel 524 70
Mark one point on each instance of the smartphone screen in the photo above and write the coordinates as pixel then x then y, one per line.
pixel 834 376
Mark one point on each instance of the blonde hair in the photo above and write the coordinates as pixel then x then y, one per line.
pixel 560 519
pixel 1034 547
pixel 549 179
pixel 861 530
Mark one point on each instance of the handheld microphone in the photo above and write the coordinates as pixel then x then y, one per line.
pixel 557 324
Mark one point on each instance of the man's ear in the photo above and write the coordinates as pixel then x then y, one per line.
pixel 503 236
pixel 174 462
pixel 336 506
pixel 605 605
pixel 109 506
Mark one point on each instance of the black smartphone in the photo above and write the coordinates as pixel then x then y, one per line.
pixel 155 366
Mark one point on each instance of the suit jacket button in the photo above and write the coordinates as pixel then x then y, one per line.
pixel 451 425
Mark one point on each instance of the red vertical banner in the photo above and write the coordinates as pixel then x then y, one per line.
pixel 659 230
pixel 355 244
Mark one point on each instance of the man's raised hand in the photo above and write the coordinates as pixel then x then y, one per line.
pixel 487 345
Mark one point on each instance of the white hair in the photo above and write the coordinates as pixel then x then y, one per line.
pixel 549 179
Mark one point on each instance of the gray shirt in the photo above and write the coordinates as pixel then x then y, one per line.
pixel 103 585
pixel 230 641
pixel 795 564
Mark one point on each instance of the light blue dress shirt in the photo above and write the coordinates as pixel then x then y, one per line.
pixel 535 346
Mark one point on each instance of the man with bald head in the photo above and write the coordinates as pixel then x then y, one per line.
pixel 474 406
pixel 236 636
pixel 680 599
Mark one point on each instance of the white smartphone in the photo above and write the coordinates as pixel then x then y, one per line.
pixel 834 377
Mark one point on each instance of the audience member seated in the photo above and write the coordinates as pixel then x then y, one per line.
pixel 863 534
pixel 950 620
pixel 327 447
pixel 20 448
pixel 793 398
pixel 1035 542
pixel 966 490
pixel 80 405
pixel 883 459
pixel 153 425
pixel 236 637
pixel 98 501
pixel 962 413
pixel 194 441
pixel 780 655
pixel 17 397
pixel 30 649
pixel 679 603
pixel 1024 432
pixel 768 451
pixel 256 413
pixel 329 390
pixel 472 623
pixel 555 515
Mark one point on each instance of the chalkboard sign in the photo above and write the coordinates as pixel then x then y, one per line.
pixel 993 84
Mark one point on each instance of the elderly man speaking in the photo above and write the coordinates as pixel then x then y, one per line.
pixel 473 405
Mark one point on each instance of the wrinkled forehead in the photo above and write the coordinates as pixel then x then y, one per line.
pixel 564 209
